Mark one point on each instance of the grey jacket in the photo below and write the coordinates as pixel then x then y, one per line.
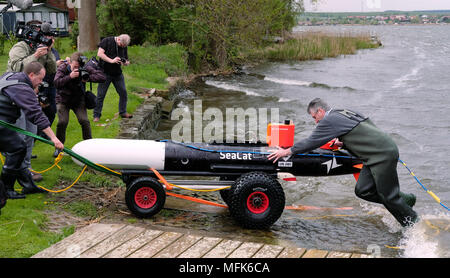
pixel 334 125
pixel 21 54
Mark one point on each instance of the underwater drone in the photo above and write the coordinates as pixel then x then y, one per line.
pixel 250 182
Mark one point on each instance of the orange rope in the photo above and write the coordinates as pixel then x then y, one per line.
pixel 197 200
pixel 201 201
pixel 161 178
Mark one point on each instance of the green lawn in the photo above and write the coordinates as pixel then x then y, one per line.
pixel 23 222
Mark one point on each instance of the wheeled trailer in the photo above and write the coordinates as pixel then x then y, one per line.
pixel 249 182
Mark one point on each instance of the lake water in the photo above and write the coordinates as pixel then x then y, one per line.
pixel 404 87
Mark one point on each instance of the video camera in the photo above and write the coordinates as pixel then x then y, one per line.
pixel 43 93
pixel 84 74
pixel 32 36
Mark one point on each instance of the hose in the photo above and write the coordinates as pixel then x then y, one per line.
pixel 89 163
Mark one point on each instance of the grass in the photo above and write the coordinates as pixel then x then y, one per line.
pixel 313 46
pixel 23 222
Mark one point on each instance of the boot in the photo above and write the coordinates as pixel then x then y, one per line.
pixel 25 179
pixel 9 178
pixel 410 199
pixel 3 196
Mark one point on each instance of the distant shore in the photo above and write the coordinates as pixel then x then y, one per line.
pixel 396 24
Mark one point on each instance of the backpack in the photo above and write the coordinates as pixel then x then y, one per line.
pixel 93 62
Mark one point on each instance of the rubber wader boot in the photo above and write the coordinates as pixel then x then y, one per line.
pixel 9 178
pixel 2 196
pixel 25 179
pixel 410 199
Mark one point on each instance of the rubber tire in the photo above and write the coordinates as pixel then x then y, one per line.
pixel 143 182
pixel 247 184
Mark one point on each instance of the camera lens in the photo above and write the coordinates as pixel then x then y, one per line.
pixel 84 75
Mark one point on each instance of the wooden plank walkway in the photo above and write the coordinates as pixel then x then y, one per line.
pixel 129 241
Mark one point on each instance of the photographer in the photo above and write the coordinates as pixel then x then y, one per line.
pixel 30 50
pixel 70 82
pixel 113 54
pixel 34 46
pixel 50 91
pixel 16 94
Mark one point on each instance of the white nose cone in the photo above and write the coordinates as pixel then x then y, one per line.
pixel 122 153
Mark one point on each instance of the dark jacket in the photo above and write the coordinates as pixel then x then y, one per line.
pixel 21 96
pixel 71 91
pixel 112 50
pixel 359 135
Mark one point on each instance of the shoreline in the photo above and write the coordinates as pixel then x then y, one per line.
pixel 399 24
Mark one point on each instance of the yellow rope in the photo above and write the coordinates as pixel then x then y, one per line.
pixel 104 167
pixel 393 247
pixel 58 191
pixel 200 190
pixel 57 160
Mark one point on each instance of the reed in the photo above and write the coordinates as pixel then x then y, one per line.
pixel 313 46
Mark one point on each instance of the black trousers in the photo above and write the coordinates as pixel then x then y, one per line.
pixel 15 146
pixel 384 189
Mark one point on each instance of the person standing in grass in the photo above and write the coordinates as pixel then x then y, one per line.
pixel 70 95
pixel 113 54
pixel 17 93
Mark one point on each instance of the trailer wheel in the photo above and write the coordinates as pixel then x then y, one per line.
pixel 256 200
pixel 145 197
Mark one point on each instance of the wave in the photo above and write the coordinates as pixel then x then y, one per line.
pixel 230 87
pixel 403 80
pixel 304 83
pixel 282 99
pixel 425 239
pixel 288 81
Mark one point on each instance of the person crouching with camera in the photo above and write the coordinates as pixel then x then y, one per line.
pixel 70 82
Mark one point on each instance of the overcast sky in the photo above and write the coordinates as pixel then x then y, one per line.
pixel 375 5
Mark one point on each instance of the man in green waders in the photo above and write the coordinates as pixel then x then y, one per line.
pixel 378 180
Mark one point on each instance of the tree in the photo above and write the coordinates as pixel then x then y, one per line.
pixel 230 27
pixel 88 27
pixel 215 32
